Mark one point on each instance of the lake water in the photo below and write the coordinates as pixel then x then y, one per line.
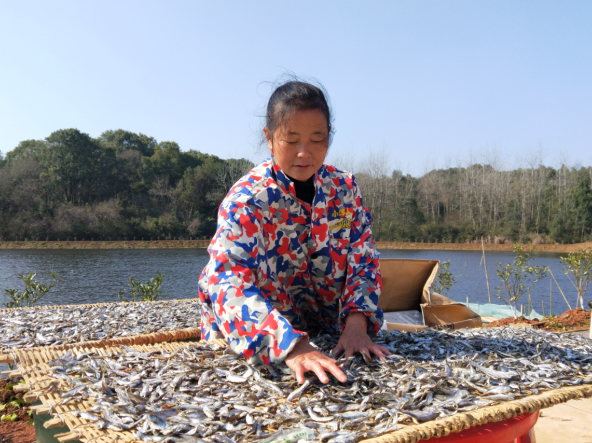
pixel 96 276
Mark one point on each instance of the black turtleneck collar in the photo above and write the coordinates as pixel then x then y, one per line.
pixel 305 190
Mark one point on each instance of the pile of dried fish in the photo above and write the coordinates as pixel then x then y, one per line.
pixel 205 393
pixel 25 328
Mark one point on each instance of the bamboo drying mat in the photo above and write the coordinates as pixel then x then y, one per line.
pixel 33 362
pixel 142 339
pixel 32 365
pixel 489 414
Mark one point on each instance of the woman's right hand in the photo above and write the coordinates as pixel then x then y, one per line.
pixel 304 357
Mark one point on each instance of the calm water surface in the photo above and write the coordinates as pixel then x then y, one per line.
pixel 95 276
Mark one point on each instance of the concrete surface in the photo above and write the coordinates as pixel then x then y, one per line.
pixel 569 422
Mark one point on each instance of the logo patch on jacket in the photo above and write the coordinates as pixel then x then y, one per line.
pixel 343 219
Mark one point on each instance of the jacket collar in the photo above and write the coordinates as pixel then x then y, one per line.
pixel 282 179
pixel 286 184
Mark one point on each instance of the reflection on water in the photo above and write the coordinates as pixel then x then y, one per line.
pixel 95 276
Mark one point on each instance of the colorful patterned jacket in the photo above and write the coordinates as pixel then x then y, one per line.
pixel 279 267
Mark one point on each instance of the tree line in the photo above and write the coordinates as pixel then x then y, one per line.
pixel 532 203
pixel 121 185
pixel 124 185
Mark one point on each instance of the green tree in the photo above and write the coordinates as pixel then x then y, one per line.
pixel 580 207
pixel 122 141
pixel 76 166
pixel 578 268
pixel 25 150
pixel 22 195
pixel 405 219
pixel 168 161
pixel 561 228
pixel 446 279
pixel 203 187
pixel 518 277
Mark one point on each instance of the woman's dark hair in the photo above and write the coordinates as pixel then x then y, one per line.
pixel 294 96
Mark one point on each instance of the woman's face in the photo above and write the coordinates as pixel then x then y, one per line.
pixel 301 144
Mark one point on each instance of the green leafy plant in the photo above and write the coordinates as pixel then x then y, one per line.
pixel 6 417
pixel 9 386
pixel 34 290
pixel 446 279
pixel 518 277
pixel 144 292
pixel 578 268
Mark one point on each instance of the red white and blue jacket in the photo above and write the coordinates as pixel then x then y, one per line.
pixel 280 267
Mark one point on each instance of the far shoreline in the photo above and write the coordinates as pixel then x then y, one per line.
pixel 197 244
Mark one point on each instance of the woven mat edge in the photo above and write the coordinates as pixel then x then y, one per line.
pixel 79 426
pixel 20 354
pixel 461 421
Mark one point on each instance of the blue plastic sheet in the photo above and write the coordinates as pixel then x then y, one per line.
pixel 500 311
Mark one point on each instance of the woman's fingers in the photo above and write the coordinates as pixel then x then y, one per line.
pixel 353 347
pixel 380 351
pixel 299 368
pixel 321 366
pixel 350 349
pixel 384 350
pixel 310 366
pixel 319 370
pixel 335 370
pixel 303 360
pixel 377 350
pixel 366 355
pixel 367 349
pixel 338 350
pixel 299 373
pixel 317 363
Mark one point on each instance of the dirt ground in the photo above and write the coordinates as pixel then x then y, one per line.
pixel 568 321
pixel 18 431
pixel 512 321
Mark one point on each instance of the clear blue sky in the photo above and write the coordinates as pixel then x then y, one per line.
pixel 421 79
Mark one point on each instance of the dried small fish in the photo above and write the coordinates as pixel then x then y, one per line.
pixel 297 393
pixel 424 415
pixel 25 328
pixel 206 392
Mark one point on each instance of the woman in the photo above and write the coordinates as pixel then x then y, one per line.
pixel 293 252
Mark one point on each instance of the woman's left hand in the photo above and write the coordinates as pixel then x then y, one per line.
pixel 354 338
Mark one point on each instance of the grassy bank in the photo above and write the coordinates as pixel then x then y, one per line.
pixel 188 244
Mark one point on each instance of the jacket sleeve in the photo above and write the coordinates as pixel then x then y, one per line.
pixel 363 283
pixel 248 321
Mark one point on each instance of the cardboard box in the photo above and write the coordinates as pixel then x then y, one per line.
pixel 408 285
